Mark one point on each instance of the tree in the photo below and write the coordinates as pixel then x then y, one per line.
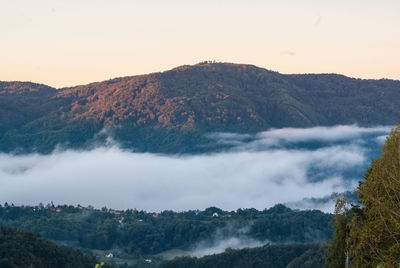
pixel 375 229
pixel 337 254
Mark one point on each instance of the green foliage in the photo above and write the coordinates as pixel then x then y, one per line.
pixel 23 249
pixel 312 258
pixel 149 233
pixel 289 255
pixel 369 236
pixel 337 254
pixel 375 232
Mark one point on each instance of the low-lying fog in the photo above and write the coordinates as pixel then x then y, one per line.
pixel 276 166
pixel 219 242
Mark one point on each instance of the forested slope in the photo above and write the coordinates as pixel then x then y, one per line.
pixel 171 111
pixel 23 249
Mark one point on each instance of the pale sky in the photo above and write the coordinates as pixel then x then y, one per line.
pixel 70 42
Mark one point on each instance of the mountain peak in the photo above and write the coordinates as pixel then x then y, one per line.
pixel 175 108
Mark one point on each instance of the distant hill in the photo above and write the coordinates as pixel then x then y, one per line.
pixel 23 249
pixel 171 111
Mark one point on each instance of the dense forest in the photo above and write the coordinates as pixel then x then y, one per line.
pixel 155 232
pixel 368 235
pixel 277 256
pixel 20 249
pixel 172 111
pixel 139 234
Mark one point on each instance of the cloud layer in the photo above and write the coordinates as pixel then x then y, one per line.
pixel 277 166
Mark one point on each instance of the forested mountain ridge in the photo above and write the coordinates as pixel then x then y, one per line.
pixel 171 111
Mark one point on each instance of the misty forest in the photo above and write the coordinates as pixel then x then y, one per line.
pixel 210 165
pixel 199 134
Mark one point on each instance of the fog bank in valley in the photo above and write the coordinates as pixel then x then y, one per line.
pixel 219 242
pixel 276 166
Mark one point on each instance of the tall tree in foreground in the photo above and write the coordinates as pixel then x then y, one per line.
pixel 337 254
pixel 374 238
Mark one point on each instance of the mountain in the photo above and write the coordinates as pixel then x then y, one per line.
pixel 24 249
pixel 171 111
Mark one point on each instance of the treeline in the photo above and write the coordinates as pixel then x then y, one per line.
pixel 24 249
pixel 277 256
pixel 150 233
pixel 369 235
